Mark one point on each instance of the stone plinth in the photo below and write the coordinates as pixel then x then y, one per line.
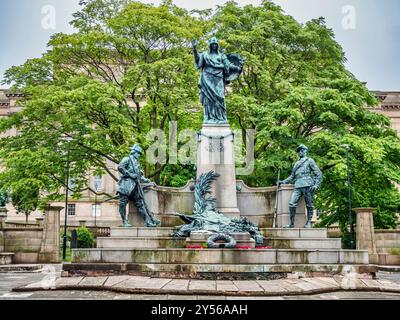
pixel 215 151
pixel 50 246
pixel 1 240
pixel 134 217
pixel 283 216
pixel 3 216
pixel 365 230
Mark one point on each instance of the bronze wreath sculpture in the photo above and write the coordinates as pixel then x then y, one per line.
pixel 230 242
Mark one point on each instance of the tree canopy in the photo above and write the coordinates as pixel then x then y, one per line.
pixel 128 68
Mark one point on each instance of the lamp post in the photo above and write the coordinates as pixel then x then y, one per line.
pixel 97 188
pixel 349 195
pixel 66 199
pixel 95 209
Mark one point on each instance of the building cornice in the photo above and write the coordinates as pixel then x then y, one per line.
pixel 393 107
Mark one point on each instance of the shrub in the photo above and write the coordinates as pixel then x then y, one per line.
pixel 85 238
pixel 394 251
pixel 348 240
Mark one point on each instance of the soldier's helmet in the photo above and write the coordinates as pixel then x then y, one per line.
pixel 213 40
pixel 301 147
pixel 137 148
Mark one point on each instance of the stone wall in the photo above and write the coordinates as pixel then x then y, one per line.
pixel 383 245
pixel 256 204
pixel 24 242
pixel 33 244
pixel 387 241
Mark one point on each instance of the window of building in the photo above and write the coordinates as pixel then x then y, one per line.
pixel 96 210
pixel 71 209
pixel 98 183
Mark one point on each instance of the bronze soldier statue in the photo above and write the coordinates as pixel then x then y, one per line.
pixel 129 188
pixel 307 178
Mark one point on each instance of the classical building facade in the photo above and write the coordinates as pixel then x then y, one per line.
pixel 94 209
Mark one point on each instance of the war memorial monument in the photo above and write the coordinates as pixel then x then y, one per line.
pixel 217 227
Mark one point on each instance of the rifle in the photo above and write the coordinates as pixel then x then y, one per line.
pixel 148 212
pixel 276 199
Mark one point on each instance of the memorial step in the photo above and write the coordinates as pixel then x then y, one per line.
pixel 215 271
pixel 295 232
pixel 141 232
pixel 239 242
pixel 140 242
pixel 303 243
pixel 219 256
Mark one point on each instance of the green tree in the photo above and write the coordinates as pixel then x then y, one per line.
pixel 295 89
pixel 126 70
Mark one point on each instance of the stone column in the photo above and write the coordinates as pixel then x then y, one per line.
pixel 283 216
pixel 3 216
pixel 50 247
pixel 215 151
pixel 365 233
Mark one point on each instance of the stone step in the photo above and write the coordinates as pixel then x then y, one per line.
pixel 157 242
pixel 295 232
pixel 140 242
pixel 204 235
pixel 219 256
pixel 240 242
pixel 141 232
pixel 216 271
pixel 303 243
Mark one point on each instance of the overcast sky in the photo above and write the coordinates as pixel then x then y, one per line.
pixel 368 30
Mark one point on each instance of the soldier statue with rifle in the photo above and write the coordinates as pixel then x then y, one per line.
pixel 307 178
pixel 129 188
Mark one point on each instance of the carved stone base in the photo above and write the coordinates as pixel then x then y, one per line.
pixel 215 151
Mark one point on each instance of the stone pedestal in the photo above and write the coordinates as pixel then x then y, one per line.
pixel 134 217
pixel 152 200
pixel 215 151
pixel 365 232
pixel 49 249
pixel 283 216
pixel 3 216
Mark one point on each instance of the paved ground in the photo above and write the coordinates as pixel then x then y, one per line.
pixel 100 295
pixel 249 290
